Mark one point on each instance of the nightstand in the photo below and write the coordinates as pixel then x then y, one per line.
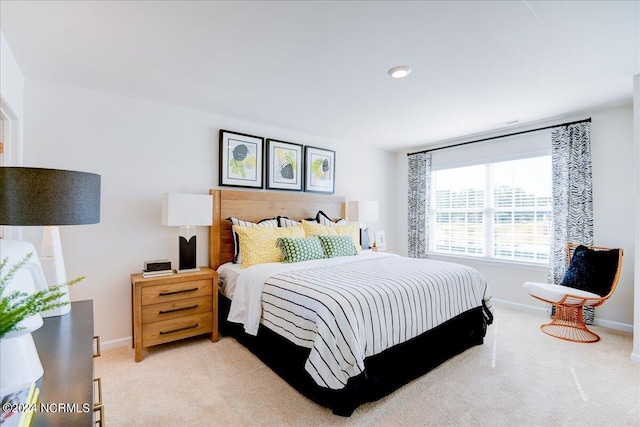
pixel 170 308
pixel 381 249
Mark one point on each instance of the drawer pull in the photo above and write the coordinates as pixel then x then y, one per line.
pixel 164 294
pixel 97 339
pixel 100 415
pixel 179 329
pixel 178 309
pixel 98 382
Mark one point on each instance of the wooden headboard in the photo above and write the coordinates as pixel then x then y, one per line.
pixel 256 205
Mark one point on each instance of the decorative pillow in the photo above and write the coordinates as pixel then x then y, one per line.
pixel 296 249
pixel 323 219
pixel 592 270
pixel 334 246
pixel 268 222
pixel 314 229
pixel 258 244
pixel 283 221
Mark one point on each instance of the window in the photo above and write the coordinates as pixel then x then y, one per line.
pixel 498 210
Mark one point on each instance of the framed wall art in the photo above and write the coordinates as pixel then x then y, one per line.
pixel 381 241
pixel 284 165
pixel 319 170
pixel 241 159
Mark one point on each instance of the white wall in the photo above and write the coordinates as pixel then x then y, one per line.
pixel 614 168
pixel 11 79
pixel 635 354
pixel 142 150
pixel 11 110
pixel 613 199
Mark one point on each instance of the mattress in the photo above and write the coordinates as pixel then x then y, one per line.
pixel 350 308
pixel 228 277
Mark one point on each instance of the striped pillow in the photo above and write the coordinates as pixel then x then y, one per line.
pixel 283 221
pixel 323 219
pixel 312 228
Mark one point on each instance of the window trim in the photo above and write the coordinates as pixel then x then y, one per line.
pixel 488 211
pixel 494 262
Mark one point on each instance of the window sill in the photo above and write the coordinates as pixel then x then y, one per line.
pixel 488 261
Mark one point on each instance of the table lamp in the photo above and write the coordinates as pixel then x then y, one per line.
pixel 187 211
pixel 50 198
pixel 363 212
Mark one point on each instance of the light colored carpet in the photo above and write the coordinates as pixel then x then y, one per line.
pixel 518 377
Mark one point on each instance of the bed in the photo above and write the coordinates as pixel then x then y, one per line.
pixel 345 330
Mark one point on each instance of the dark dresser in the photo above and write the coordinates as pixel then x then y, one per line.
pixel 66 348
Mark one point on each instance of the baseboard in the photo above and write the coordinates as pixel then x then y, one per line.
pixel 613 325
pixel 517 306
pixel 624 327
pixel 635 358
pixel 120 342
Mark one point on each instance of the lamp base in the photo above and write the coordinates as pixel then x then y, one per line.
pixel 52 262
pixel 60 311
pixel 365 241
pixel 187 256
pixel 188 270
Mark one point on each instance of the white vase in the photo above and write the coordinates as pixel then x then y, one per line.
pixel 19 362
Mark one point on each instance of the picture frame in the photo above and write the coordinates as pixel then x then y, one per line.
pixel 241 160
pixel 319 170
pixel 284 165
pixel 380 240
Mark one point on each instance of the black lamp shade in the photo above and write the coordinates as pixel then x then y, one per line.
pixel 38 196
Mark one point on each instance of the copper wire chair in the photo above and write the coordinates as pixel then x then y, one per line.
pixel 568 321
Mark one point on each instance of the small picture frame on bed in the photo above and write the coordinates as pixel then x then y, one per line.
pixel 319 170
pixel 284 165
pixel 241 159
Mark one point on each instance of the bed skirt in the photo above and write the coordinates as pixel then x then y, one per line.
pixel 384 372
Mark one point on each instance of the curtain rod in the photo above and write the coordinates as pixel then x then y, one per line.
pixel 501 136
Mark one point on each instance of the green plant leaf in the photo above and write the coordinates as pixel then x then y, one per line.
pixel 16 306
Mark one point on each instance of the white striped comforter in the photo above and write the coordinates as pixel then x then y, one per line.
pixel 348 310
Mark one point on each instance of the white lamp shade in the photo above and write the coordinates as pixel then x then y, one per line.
pixel 363 211
pixel 187 209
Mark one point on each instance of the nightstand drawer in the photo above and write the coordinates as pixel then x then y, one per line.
pixel 175 291
pixel 178 308
pixel 175 329
pixel 172 307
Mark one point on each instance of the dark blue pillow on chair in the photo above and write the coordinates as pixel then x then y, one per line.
pixel 592 270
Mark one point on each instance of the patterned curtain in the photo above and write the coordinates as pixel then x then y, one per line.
pixel 572 195
pixel 419 203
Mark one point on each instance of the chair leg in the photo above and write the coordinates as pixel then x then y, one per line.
pixel 568 324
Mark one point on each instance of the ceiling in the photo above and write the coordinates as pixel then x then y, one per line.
pixel 321 67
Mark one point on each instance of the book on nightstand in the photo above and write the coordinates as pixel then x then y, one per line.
pixel 18 407
pixel 146 274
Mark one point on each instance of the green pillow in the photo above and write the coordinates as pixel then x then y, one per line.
pixel 335 246
pixel 296 249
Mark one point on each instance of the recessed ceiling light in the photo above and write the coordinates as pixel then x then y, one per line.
pixel 399 72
